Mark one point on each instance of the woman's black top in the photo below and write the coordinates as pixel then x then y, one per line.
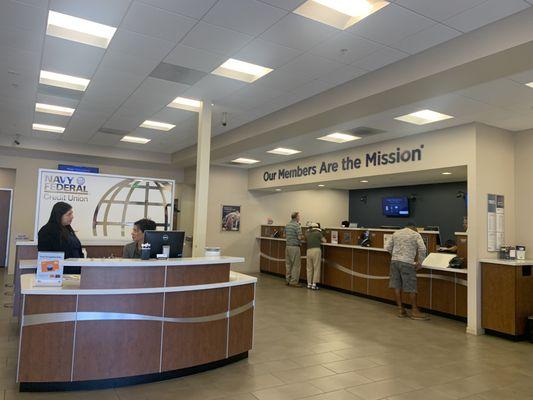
pixel 49 239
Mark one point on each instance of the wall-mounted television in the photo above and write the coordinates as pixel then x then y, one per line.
pixel 395 206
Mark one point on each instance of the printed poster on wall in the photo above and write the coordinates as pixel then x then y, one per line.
pixel 231 218
pixel 105 206
pixel 495 222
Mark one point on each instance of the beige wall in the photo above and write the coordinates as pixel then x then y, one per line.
pixel 524 189
pixel 26 185
pixel 229 186
pixel 7 178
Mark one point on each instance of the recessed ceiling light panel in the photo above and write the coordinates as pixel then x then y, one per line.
pixel 241 70
pixel 160 126
pixel 242 160
pixel 283 151
pixel 135 139
pixel 530 84
pixel 63 81
pixel 446 173
pixel 56 110
pixel 48 128
pixel 423 117
pixel 340 14
pixel 79 30
pixel 339 137
pixel 184 103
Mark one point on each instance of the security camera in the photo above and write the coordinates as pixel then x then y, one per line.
pixel 224 119
pixel 16 141
pixel 460 194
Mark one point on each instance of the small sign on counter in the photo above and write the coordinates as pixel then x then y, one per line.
pixel 49 268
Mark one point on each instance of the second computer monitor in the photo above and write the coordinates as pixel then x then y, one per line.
pixel 158 239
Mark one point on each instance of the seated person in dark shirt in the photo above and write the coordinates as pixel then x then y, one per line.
pixel 133 249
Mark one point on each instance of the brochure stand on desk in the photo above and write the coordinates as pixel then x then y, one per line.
pixel 49 268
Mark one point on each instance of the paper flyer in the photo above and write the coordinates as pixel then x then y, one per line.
pixel 49 268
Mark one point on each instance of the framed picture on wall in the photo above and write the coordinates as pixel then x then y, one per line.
pixel 231 218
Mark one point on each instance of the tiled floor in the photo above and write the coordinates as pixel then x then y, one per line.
pixel 330 346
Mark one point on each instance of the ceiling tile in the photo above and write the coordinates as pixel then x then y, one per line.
pixel 152 95
pixel 213 87
pixel 250 97
pixel 289 5
pixel 308 90
pixel 503 93
pixel 298 32
pixel 173 115
pixel 127 123
pixel 139 45
pixel 426 38
pixel 71 58
pixel 177 73
pixel 191 8
pixel 380 59
pixel 46 135
pixel 438 9
pixel 281 80
pixel 24 64
pixel 523 77
pixel 50 119
pixel 21 39
pixel 128 63
pixel 191 57
pixel 267 54
pixel 14 14
pixel 155 22
pixel 101 11
pixel 310 65
pixel 56 100
pixel 104 139
pixel 341 75
pixel 248 16
pixel 216 39
pixel 390 24
pixel 485 13
pixel 355 48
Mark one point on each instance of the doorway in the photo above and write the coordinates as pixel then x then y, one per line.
pixel 6 197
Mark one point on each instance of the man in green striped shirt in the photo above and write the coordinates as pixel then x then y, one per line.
pixel 293 236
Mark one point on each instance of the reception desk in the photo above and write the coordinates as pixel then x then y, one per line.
pixel 365 270
pixel 131 321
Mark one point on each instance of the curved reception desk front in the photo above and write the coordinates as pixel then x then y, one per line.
pixel 131 321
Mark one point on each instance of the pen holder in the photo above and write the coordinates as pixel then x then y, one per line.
pixel 145 254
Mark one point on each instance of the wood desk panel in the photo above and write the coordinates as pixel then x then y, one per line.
pixel 264 249
pixel 499 298
pixel 338 267
pixel 443 292
pixel 379 270
pixel 360 266
pixel 185 275
pixel 121 277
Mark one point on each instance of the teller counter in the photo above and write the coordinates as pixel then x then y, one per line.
pixel 365 270
pixel 131 321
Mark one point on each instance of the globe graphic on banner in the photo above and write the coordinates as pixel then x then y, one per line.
pixel 130 200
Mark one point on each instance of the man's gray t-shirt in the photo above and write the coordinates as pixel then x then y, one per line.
pixel 293 231
pixel 404 246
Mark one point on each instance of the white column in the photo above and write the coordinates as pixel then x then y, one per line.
pixel 202 179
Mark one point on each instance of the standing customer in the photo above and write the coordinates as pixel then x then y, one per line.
pixel 315 238
pixel 58 235
pixel 293 235
pixel 406 246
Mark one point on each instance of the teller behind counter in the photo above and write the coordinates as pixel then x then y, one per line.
pixel 57 235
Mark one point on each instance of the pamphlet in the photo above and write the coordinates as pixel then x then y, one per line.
pixel 49 268
pixel 335 237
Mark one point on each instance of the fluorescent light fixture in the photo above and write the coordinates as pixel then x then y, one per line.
pixel 135 139
pixel 278 190
pixel 446 173
pixel 530 84
pixel 321 185
pixel 48 128
pixel 51 109
pixel 339 137
pixel 63 81
pixel 364 181
pixel 340 14
pixel 79 30
pixel 423 117
pixel 242 160
pixel 283 151
pixel 160 126
pixel 184 103
pixel 241 70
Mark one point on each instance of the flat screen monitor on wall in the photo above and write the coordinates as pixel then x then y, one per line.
pixel 395 206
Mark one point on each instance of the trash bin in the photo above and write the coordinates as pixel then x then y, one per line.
pixel 529 328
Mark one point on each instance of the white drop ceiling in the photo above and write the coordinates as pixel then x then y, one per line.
pixel 307 57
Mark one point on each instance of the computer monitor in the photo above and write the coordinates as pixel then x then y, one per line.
pixel 158 239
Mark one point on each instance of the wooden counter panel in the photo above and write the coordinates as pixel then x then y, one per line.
pixel 524 291
pixel 303 262
pixel 498 298
pixel 280 258
pixel 379 266
pixel 196 303
pixel 104 251
pixel 240 332
pixel 376 238
pixel 461 298
pixel 44 304
pixel 264 249
pixel 241 295
pixel 423 284
pixel 122 277
pixel 462 247
pixel 184 275
pixel 273 264
pixel 443 291
pixel 146 304
pixel 189 344
pixel 46 352
pixel 360 265
pixel 333 276
pixel 116 348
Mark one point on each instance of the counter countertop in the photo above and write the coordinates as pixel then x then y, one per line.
pixel 71 285
pixel 83 244
pixel 511 263
pixel 340 228
pixel 460 233
pixel 129 262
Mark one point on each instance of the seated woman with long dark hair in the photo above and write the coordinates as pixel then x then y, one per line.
pixel 58 235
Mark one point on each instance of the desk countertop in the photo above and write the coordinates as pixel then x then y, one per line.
pixel 511 263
